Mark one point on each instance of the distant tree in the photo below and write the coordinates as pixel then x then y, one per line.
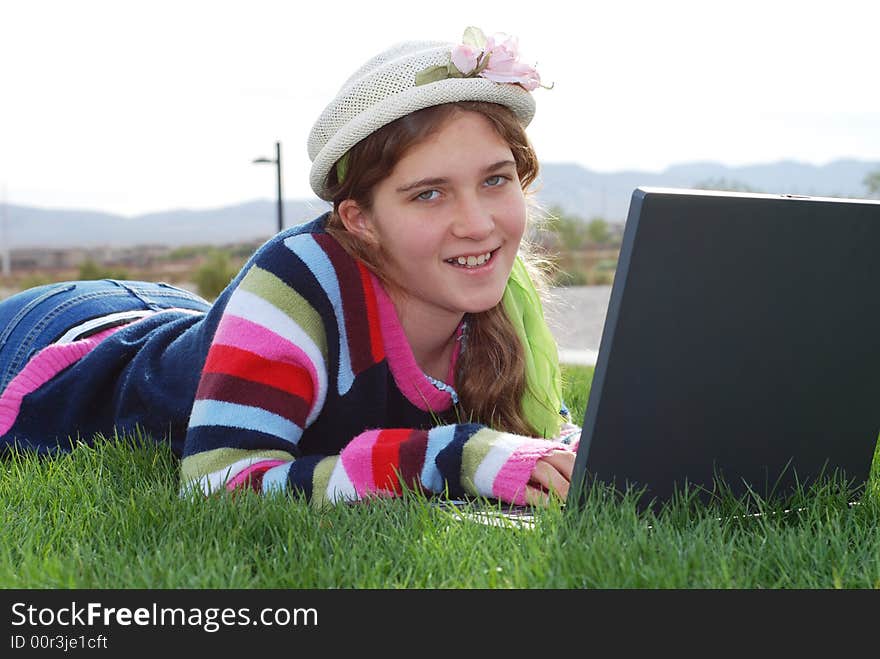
pixel 598 231
pixel 214 275
pixel 189 251
pixel 570 230
pixel 872 183
pixel 88 269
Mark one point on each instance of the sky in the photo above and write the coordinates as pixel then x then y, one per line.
pixel 134 107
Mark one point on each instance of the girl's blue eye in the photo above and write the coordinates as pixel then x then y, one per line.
pixel 423 196
pixel 498 180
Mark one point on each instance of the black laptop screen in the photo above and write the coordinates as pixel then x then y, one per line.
pixel 742 340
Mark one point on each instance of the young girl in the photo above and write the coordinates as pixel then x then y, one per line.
pixel 396 341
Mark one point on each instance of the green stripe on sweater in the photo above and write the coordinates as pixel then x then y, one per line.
pixel 321 479
pixel 475 450
pixel 269 287
pixel 195 466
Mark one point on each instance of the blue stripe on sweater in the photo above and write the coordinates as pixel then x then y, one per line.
pixel 307 249
pixel 438 439
pixel 220 413
pixel 208 438
pixel 275 479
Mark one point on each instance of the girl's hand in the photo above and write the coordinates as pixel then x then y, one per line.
pixel 551 477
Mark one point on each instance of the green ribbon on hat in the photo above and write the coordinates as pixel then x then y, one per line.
pixel 342 167
pixel 542 399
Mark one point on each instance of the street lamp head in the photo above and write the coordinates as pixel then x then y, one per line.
pixel 258 160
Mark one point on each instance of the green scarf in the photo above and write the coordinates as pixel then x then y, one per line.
pixel 542 400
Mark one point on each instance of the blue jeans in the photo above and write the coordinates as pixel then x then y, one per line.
pixel 37 317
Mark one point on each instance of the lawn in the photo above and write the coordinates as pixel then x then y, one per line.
pixel 110 517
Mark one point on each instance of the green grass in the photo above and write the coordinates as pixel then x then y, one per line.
pixel 110 517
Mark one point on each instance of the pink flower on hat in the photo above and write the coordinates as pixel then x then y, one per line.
pixel 466 58
pixel 504 66
pixel 495 58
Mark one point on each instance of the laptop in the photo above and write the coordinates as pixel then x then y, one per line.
pixel 741 347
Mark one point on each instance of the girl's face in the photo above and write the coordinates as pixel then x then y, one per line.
pixel 449 218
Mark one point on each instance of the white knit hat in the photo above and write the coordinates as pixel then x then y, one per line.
pixel 385 89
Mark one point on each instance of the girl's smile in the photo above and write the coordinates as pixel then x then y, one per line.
pixel 472 262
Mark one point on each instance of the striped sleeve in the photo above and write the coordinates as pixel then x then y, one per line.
pixel 450 460
pixel 266 375
pixel 264 381
pixel 453 460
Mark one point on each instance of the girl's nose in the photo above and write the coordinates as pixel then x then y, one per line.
pixel 473 220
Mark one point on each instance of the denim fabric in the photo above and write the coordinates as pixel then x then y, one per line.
pixel 35 318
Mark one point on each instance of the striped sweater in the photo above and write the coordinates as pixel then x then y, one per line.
pixel 309 386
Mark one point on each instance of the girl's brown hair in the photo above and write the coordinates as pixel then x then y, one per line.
pixel 490 372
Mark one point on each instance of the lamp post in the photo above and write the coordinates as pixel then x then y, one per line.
pixel 277 162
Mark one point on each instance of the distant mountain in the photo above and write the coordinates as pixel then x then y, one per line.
pixel 53 228
pixel 573 188
pixel 588 194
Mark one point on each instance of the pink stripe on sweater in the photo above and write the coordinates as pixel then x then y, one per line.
pixel 510 482
pixel 409 377
pixel 241 333
pixel 357 460
pixel 42 367
pixel 244 475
